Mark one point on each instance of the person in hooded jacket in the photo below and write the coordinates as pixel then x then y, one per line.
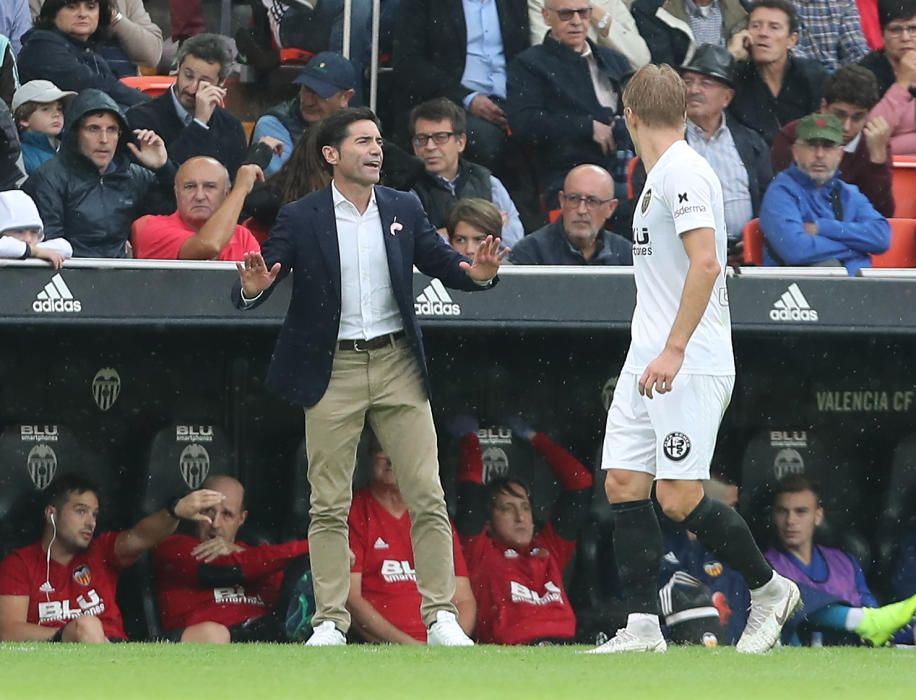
pixel 62 48
pixel 92 191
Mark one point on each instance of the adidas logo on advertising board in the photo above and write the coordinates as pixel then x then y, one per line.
pixel 792 306
pixel 435 301
pixel 56 297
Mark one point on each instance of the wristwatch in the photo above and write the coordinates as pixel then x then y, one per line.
pixel 603 22
pixel 170 507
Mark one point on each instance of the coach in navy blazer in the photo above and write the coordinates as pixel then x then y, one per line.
pixel 350 352
pixel 304 242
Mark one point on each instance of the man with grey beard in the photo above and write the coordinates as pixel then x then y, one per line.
pixel 811 217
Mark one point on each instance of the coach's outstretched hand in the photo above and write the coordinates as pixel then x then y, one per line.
pixel 660 373
pixel 254 274
pixel 487 259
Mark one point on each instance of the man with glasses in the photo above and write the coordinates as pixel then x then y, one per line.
pixel 849 94
pixel 896 62
pixel 578 237
pixel 91 191
pixel 811 217
pixel 895 68
pixel 439 136
pixel 564 97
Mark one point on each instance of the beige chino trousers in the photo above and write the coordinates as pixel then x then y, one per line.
pixel 385 386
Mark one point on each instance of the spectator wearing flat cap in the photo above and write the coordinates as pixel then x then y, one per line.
pixel 738 155
pixel 810 216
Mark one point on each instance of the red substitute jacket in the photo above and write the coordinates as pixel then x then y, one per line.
pixel 520 594
pixel 228 590
pixel 384 555
pixel 85 586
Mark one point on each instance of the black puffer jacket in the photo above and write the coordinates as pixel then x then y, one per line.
pixel 91 210
pixel 10 174
pixel 49 54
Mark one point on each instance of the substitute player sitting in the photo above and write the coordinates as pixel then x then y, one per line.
pixel 214 589
pixel 681 333
pixel 384 601
pixel 62 588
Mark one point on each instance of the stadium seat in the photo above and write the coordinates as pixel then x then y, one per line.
pixel 902 253
pixel 554 215
pixel 152 85
pixel 32 455
pixel 833 462
pixel 295 57
pixel 258 230
pixel 753 243
pixel 898 507
pixel 903 185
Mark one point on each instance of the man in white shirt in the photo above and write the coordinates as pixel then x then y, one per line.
pixel 350 350
pixel 681 329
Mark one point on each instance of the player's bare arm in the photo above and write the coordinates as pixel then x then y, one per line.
pixel 700 245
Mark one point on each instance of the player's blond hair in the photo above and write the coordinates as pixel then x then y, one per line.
pixel 657 95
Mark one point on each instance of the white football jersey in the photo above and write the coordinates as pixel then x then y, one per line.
pixel 682 193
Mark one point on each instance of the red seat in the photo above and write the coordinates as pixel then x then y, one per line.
pixel 554 214
pixel 753 243
pixel 295 57
pixel 152 85
pixel 259 231
pixel 903 185
pixel 902 252
pixel 631 168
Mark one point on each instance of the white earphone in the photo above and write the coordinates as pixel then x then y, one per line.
pixel 46 587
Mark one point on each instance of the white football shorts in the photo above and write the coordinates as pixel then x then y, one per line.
pixel 673 435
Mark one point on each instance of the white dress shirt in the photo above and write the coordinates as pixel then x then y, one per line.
pixel 368 308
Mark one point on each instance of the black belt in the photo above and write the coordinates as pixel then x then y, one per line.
pixel 371 344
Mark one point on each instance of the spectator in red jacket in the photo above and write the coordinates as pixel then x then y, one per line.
pixel 517 573
pixel 205 225
pixel 849 95
pixel 212 588
pixel 384 601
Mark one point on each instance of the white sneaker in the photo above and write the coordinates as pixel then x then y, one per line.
pixel 446 632
pixel 326 635
pixel 629 640
pixel 771 608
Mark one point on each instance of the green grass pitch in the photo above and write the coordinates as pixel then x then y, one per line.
pixel 251 672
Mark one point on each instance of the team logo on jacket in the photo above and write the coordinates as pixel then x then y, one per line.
pixel 106 387
pixel 82 575
pixel 646 200
pixel 194 464
pixel 42 465
pixel 676 446
pixel 713 568
pixel 495 464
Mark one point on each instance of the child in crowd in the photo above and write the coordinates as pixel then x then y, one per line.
pixel 38 107
pixel 22 232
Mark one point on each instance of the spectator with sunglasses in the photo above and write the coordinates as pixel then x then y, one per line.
pixel 578 236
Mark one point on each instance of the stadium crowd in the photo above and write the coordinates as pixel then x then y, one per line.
pixel 506 121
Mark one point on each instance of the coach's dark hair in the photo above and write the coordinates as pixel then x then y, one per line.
pixel 59 491
pixel 49 10
pixel 852 84
pixel 210 48
pixel 438 110
pixel 510 487
pixel 796 483
pixel 784 6
pixel 333 129
pixel 890 10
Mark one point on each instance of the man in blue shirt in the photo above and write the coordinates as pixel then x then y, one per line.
pixel 15 20
pixel 811 217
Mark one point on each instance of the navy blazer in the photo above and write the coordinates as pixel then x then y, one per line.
pixel 304 242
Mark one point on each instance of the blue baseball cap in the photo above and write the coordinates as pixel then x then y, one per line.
pixel 328 73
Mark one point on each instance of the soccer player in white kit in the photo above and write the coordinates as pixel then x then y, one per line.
pixel 677 379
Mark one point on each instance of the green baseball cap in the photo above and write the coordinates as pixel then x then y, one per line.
pixel 820 127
